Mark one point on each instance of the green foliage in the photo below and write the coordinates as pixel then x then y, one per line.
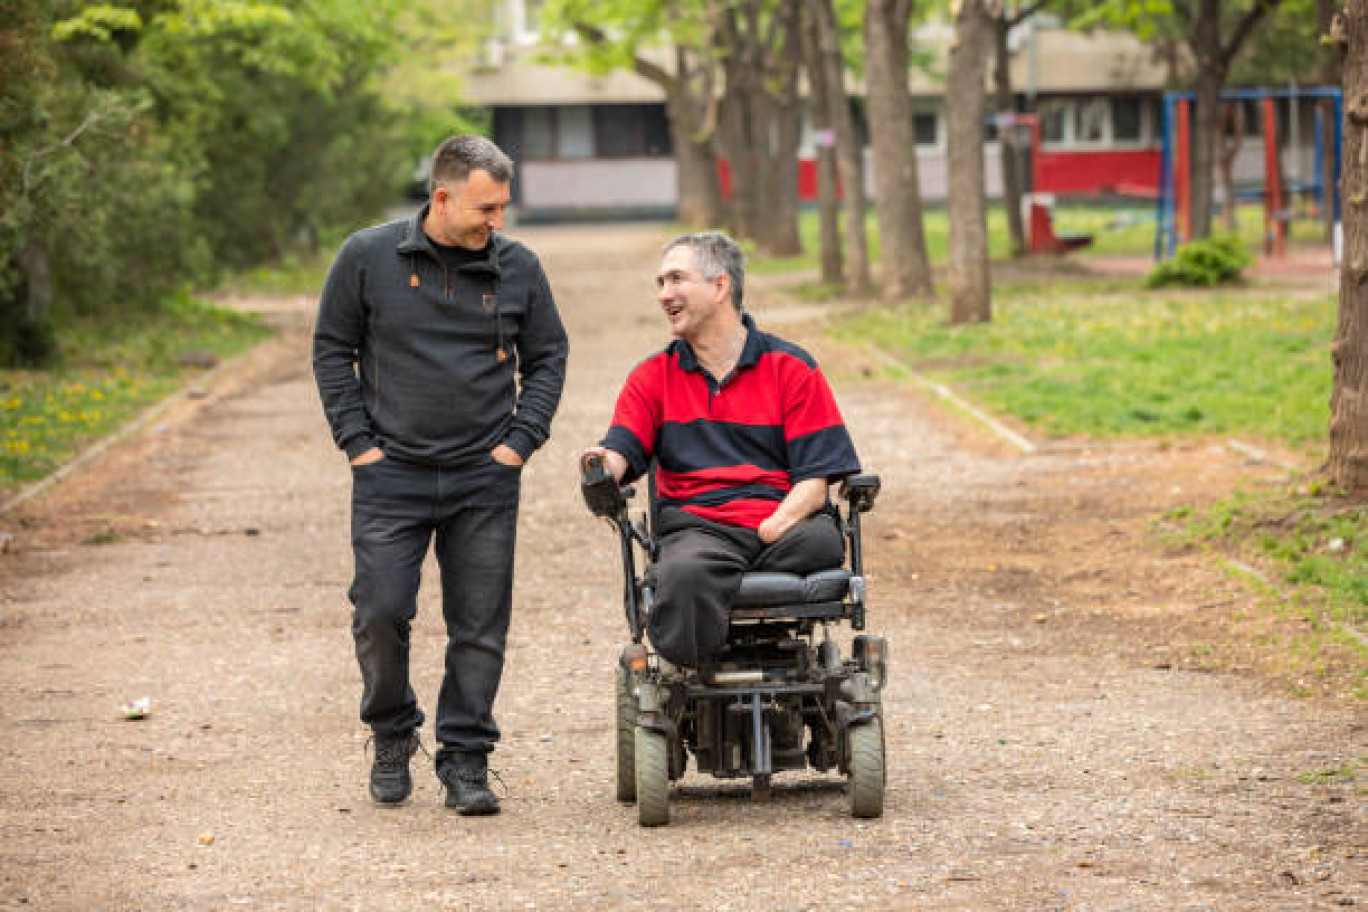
pixel 109 369
pixel 1077 360
pixel 1217 260
pixel 1285 49
pixel 1316 541
pixel 145 144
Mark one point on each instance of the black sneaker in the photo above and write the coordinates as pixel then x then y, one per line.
pixel 390 782
pixel 468 790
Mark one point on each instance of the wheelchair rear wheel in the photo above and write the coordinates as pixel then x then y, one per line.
pixel 866 776
pixel 626 738
pixel 652 777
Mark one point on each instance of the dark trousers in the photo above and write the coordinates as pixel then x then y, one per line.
pixel 699 572
pixel 399 509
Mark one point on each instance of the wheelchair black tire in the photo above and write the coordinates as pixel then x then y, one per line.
pixel 626 705
pixel 652 778
pixel 866 777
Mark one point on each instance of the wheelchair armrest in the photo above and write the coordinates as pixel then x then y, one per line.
pixel 861 491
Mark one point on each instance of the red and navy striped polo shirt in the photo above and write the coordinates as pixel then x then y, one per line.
pixel 730 452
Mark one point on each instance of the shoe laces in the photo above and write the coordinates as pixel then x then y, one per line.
pixel 392 752
pixel 477 777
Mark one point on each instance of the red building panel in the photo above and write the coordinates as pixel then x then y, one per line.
pixel 1129 172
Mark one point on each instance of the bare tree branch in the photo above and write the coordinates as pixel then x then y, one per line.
pixel 91 119
pixel 645 68
pixel 1246 24
pixel 1026 13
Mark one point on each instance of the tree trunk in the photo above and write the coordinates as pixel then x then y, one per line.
pixel 819 104
pixel 782 53
pixel 690 113
pixel 1348 462
pixel 1207 117
pixel 848 153
pixel 1214 58
pixel 33 261
pixel 1329 75
pixel 739 127
pixel 782 231
pixel 1232 137
pixel 695 153
pixel 968 261
pixel 761 130
pixel 1006 104
pixel 905 265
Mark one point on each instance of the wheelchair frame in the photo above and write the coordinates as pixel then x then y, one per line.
pixel 745 714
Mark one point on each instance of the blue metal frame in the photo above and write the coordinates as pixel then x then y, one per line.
pixel 1165 227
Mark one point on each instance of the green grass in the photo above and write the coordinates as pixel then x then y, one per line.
pixel 1343 775
pixel 108 372
pixel 1069 359
pixel 1116 230
pixel 294 275
pixel 1316 542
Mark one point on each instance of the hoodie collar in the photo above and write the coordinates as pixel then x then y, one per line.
pixel 415 240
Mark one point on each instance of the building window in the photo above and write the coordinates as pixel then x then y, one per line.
pixel 538 133
pixel 1054 122
pixel 1090 121
pixel 574 132
pixel 925 125
pixel 632 131
pixel 1128 120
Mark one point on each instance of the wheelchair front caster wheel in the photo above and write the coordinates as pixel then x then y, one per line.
pixel 866 776
pixel 626 738
pixel 652 778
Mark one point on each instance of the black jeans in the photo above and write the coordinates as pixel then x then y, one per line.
pixel 700 568
pixel 398 510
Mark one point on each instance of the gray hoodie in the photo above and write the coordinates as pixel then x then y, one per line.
pixel 421 362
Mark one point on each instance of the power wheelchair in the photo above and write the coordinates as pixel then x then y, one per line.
pixel 778 696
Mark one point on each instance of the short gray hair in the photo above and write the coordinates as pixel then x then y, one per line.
pixel 458 156
pixel 715 253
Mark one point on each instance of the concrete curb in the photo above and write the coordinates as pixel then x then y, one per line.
pixel 959 402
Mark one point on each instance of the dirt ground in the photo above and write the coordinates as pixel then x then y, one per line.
pixel 1076 719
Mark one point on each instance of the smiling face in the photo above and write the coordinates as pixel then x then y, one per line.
pixel 693 305
pixel 465 213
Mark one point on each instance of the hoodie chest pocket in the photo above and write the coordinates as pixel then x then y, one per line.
pixel 493 309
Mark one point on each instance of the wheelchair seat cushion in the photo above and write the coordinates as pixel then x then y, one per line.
pixel 764 590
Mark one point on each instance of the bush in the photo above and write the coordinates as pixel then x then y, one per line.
pixel 1218 260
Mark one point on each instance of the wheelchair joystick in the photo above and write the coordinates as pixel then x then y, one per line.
pixel 601 493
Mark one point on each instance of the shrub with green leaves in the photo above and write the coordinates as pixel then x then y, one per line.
pixel 1217 260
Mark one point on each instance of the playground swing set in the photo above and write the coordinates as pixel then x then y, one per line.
pixel 1173 204
pixel 1173 197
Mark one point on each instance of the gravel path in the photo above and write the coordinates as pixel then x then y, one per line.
pixel 1046 749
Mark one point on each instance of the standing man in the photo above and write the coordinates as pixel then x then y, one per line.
pixel 440 359
pixel 746 436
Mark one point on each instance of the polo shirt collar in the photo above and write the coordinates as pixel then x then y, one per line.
pixel 750 351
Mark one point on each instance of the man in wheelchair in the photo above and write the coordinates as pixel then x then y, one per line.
pixel 745 438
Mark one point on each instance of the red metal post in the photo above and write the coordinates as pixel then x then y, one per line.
pixel 1182 184
pixel 1275 225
